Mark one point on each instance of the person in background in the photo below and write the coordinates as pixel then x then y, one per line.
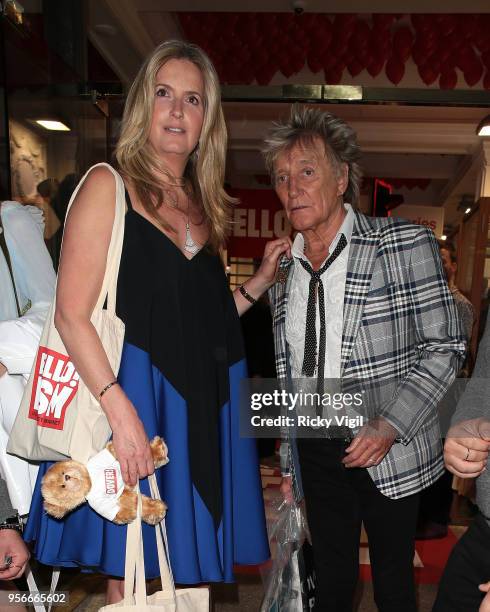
pixel 436 500
pixel 464 307
pixel 14 554
pixel 53 230
pixel 47 190
pixel 362 301
pixel 27 282
pixel 466 453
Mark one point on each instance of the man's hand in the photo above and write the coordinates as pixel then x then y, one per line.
pixel 287 489
pixel 3 370
pixel 485 604
pixel 371 444
pixel 467 447
pixel 13 554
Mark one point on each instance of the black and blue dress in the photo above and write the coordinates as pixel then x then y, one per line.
pixel 181 365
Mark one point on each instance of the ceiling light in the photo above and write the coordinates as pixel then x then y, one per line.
pixel 483 128
pixel 50 124
pixel 467 211
pixel 444 237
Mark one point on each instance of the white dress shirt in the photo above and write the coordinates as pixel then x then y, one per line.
pixel 333 280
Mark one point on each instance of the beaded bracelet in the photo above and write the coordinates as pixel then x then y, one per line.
pixel 247 295
pixel 107 387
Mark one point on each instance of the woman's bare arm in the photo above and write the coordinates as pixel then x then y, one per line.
pixel 264 278
pixel 86 241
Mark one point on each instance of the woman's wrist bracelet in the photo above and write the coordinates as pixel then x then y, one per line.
pixel 246 294
pixel 107 387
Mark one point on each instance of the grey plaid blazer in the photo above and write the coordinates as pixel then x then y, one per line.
pixel 401 324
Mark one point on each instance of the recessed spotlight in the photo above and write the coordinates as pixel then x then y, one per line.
pixel 444 237
pixel 467 211
pixel 50 124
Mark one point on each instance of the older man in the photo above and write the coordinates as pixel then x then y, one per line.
pixel 366 300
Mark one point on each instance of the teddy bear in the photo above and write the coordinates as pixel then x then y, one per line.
pixel 67 484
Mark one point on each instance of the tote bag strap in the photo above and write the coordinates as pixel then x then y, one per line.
pixel 134 571
pixel 33 588
pixel 166 575
pixel 109 284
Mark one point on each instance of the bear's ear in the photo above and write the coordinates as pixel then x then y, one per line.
pixel 54 510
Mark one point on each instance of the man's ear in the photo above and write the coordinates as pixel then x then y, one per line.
pixel 343 178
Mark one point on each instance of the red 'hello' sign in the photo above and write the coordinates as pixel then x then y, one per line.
pixel 257 218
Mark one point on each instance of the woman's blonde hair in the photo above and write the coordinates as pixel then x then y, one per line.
pixel 205 169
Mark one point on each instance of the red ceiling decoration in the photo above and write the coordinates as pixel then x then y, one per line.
pixel 248 47
pixel 408 183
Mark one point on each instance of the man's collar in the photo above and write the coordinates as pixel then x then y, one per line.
pixel 346 228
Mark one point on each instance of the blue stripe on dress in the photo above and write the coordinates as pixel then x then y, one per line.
pixel 198 552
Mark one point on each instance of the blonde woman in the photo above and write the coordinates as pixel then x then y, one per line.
pixel 183 352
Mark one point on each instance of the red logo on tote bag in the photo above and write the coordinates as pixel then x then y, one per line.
pixel 55 385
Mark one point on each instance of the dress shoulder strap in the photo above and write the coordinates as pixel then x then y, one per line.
pixel 128 199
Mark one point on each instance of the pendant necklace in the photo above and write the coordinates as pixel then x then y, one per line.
pixel 190 246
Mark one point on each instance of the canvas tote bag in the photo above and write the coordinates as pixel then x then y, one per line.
pixel 168 599
pixel 58 416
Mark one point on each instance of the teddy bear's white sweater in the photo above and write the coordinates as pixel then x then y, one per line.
pixel 107 484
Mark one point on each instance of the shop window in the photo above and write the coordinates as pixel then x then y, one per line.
pixel 240 270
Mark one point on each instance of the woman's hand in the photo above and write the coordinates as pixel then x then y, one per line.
pixel 130 441
pixel 273 251
pixel 265 276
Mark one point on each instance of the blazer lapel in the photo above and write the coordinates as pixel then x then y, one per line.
pixel 362 256
pixel 279 297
